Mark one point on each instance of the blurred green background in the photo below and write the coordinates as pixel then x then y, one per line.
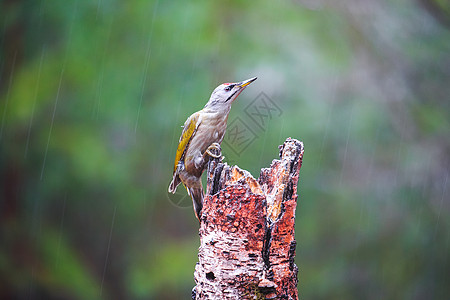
pixel 92 97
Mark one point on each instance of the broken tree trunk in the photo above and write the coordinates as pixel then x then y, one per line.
pixel 247 242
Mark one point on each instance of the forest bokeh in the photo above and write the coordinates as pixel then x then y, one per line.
pixel 92 97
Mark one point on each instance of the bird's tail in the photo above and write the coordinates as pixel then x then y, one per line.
pixel 197 195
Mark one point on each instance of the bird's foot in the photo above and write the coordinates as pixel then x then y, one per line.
pixel 214 151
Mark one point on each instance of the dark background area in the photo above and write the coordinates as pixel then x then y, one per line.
pixel 92 97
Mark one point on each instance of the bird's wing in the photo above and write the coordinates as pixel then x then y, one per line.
pixel 189 128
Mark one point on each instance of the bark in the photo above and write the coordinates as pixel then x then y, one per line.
pixel 247 242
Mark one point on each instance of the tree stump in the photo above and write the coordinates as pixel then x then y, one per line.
pixel 247 242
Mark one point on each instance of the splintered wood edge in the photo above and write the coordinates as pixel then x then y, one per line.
pixel 276 183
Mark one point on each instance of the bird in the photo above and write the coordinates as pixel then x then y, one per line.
pixel 200 140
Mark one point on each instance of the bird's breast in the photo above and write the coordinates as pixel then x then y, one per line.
pixel 211 130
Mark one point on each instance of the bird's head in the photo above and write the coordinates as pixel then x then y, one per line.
pixel 224 95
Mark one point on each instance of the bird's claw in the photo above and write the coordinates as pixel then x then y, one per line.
pixel 216 148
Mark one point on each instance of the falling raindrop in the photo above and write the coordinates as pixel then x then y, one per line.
pixel 444 189
pixel 346 143
pixel 96 109
pixel 8 94
pixel 146 64
pixel 107 250
pixel 53 119
pixel 99 4
pixel 100 79
pixel 34 101
pixel 327 122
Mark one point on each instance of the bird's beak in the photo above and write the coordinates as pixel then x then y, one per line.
pixel 244 83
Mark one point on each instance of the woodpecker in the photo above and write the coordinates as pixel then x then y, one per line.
pixel 200 140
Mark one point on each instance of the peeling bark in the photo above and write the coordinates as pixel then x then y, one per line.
pixel 247 241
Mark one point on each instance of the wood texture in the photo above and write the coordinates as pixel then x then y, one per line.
pixel 247 241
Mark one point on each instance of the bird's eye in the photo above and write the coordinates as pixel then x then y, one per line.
pixel 228 88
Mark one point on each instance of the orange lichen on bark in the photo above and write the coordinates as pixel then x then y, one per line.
pixel 247 241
